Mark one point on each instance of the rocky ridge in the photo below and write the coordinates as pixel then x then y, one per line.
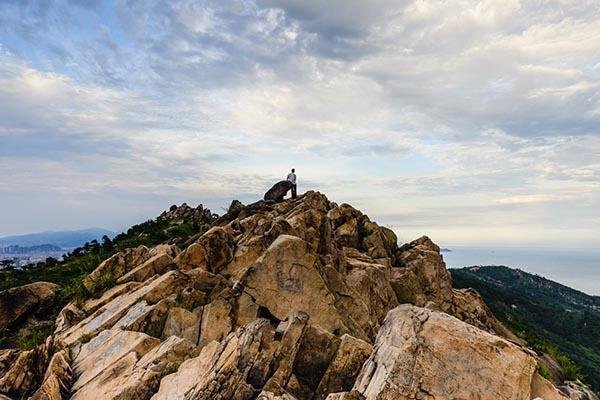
pixel 298 299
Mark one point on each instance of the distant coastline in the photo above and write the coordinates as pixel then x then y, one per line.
pixel 576 268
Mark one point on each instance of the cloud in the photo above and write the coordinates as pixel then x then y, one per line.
pixel 475 113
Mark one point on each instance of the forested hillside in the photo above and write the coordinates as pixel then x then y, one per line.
pixel 552 317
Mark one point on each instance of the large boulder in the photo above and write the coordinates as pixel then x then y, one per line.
pixel 278 191
pixel 212 251
pixel 286 278
pixel 421 353
pixel 19 302
pixel 424 280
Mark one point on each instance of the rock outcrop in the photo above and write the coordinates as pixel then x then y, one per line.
pixel 293 300
pixel 19 302
pixel 420 353
pixel 278 191
pixel 185 212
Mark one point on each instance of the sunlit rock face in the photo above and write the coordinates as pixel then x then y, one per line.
pixel 292 299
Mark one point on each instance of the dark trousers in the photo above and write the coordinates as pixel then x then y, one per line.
pixel 294 191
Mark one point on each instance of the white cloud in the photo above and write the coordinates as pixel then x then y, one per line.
pixel 465 118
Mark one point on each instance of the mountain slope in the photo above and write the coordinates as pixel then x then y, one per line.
pixel 544 312
pixel 297 299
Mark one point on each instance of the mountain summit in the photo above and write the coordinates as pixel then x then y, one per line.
pixel 299 299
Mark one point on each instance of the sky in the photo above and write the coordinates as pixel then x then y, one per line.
pixel 473 122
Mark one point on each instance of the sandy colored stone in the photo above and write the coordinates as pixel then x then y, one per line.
pixel 68 316
pixel 266 395
pixel 57 380
pixel 292 332
pixel 23 371
pixel 93 304
pixel 158 264
pixel 106 349
pixel 117 265
pixel 285 279
pixel 352 395
pixel 152 291
pixel 216 321
pixel 182 323
pixel 137 375
pixel 344 367
pixel 212 251
pixel 424 278
pixel 226 370
pixel 544 389
pixel 421 352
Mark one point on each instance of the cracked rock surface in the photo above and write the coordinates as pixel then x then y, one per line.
pixel 294 300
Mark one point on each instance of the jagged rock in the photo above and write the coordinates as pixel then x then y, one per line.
pixel 577 391
pixel 57 380
pixel 317 350
pixel 278 300
pixel 424 353
pixel 23 371
pixel 154 290
pixel 278 191
pixel 216 321
pixel 424 278
pixel 266 395
pixel 93 304
pixel 226 370
pixel 19 302
pixel 212 251
pixel 293 330
pixel 136 370
pixel 116 266
pixel 185 212
pixel 285 279
pixel 67 317
pixel 468 306
pixel 424 281
pixel 544 389
pixel 182 323
pixel 345 366
pixel 104 350
pixel 235 208
pixel 158 264
pixel 352 395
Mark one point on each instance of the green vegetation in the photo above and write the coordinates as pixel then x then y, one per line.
pixel 75 266
pixel 86 337
pixel 552 318
pixel 544 371
pixel 31 338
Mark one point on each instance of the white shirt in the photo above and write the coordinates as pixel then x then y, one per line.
pixel 292 177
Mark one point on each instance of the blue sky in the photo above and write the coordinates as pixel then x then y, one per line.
pixel 475 122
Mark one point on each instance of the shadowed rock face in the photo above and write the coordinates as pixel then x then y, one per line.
pixel 298 299
pixel 278 191
pixel 17 303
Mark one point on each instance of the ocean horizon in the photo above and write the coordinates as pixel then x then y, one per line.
pixel 576 268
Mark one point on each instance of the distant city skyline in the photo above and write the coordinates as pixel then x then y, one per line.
pixel 472 122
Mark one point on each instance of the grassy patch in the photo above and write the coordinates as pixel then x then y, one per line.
pixel 31 338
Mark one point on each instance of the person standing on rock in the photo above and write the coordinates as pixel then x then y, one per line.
pixel 292 178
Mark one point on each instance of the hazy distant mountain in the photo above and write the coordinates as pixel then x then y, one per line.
pixel 63 239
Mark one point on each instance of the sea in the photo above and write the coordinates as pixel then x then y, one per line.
pixel 576 268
